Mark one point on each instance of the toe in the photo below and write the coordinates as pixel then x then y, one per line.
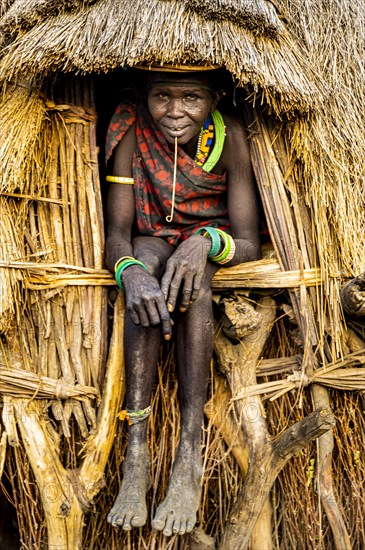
pixel 138 521
pixel 159 521
pixel 176 527
pixel 168 526
pixel 126 524
pixel 182 529
pixel 118 521
pixel 190 525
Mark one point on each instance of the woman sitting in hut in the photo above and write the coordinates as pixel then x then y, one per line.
pixel 181 204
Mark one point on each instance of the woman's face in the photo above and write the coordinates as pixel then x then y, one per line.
pixel 180 109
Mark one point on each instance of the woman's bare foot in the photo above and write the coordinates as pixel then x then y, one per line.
pixel 177 513
pixel 130 508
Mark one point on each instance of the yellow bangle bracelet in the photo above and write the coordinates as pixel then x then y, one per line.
pixel 120 179
pixel 122 259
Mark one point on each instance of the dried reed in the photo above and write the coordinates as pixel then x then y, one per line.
pixel 61 334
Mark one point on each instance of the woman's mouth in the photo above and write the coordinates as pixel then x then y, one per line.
pixel 175 131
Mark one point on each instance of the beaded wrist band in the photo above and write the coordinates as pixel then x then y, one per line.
pixel 134 417
pixel 211 232
pixel 122 264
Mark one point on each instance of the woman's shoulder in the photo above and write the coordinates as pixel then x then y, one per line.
pixel 236 147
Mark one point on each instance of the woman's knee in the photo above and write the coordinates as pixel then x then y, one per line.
pixel 153 252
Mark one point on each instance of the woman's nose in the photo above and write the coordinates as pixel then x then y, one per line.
pixel 176 108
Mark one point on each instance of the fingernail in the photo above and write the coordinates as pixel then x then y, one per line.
pixel 172 322
pixel 167 336
pixel 182 309
pixel 170 308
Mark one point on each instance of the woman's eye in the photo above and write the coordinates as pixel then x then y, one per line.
pixel 191 97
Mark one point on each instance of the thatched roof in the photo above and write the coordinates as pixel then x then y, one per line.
pixel 248 38
pixel 260 16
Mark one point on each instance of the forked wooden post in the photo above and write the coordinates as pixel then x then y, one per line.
pixel 266 456
pixel 67 495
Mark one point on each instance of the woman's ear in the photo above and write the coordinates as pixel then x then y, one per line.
pixel 217 94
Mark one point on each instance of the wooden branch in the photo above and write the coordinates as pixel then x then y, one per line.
pixel 239 317
pixel 3 447
pixel 9 421
pixel 219 411
pixel 262 472
pixel 66 495
pixel 324 477
pixel 266 457
pixel 98 446
pixel 239 363
pixel 63 513
pixel 353 297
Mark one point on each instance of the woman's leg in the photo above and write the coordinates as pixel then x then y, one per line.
pixel 195 335
pixel 141 350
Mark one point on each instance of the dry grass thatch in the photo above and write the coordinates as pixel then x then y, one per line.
pixel 21 15
pixel 330 145
pixel 4 6
pixel 110 34
pixel 259 16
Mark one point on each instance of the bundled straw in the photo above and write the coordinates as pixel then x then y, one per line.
pixel 21 15
pixel 337 375
pixel 10 249
pixel 59 335
pixel 22 115
pixel 25 384
pixel 4 6
pixel 264 273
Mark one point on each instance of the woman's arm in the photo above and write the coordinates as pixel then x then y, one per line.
pixel 120 211
pixel 144 298
pixel 243 207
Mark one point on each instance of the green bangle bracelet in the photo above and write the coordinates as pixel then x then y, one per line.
pixel 214 237
pixel 122 266
pixel 227 247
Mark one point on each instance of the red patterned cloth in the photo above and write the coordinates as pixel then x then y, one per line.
pixel 201 197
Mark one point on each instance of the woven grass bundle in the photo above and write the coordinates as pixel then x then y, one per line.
pixel 22 15
pixel 55 200
pixel 4 6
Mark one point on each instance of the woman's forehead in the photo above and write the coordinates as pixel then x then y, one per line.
pixel 180 80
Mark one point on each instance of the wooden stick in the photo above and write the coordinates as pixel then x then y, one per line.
pixel 8 418
pixel 98 446
pixel 3 447
pixel 325 445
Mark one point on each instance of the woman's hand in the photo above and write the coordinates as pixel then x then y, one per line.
pixel 145 300
pixel 185 270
